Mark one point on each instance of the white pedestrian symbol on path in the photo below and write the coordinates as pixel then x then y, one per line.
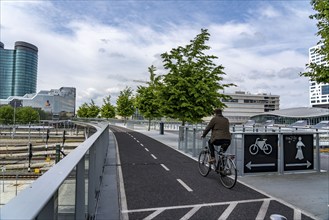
pixel 299 146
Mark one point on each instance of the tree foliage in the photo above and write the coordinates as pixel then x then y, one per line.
pixel 107 110
pixel 90 110
pixel 93 110
pixel 6 114
pixel 190 90
pixel 320 72
pixel 147 100
pixel 26 115
pixel 83 111
pixel 125 103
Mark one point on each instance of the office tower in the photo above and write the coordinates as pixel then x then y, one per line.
pixel 319 92
pixel 18 70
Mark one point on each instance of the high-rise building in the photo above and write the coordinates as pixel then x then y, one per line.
pixel 319 92
pixel 18 70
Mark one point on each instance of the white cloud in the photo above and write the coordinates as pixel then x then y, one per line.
pixel 262 53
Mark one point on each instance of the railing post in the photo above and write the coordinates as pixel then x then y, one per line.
pixel 80 190
pixel 50 211
pixel 91 183
pixel 185 139
pixel 317 151
pixel 242 155
pixel 181 137
pixel 194 144
pixel 280 154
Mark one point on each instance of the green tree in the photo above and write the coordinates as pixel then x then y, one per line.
pixel 190 90
pixel 107 110
pixel 320 72
pixel 6 114
pixel 83 111
pixel 26 115
pixel 147 98
pixel 93 110
pixel 125 103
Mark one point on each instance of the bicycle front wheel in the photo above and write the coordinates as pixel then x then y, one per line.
pixel 204 166
pixel 229 175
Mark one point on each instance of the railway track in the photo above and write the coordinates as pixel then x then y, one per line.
pixel 20 176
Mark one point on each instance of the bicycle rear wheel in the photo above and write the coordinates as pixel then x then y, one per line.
pixel 228 176
pixel 204 166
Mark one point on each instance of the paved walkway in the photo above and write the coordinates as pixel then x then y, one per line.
pixel 308 191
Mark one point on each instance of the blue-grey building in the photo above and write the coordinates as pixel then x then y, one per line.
pixel 56 102
pixel 18 70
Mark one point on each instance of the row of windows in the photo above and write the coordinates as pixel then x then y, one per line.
pixel 322 101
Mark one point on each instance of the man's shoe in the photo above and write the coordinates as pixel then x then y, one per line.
pixel 212 160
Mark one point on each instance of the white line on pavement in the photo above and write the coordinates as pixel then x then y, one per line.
pixel 228 211
pixel 190 213
pixel 263 210
pixel 185 186
pixel 297 214
pixel 166 168
pixel 154 214
pixel 154 156
pixel 146 149
pixel 194 205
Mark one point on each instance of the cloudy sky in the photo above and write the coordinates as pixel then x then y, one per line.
pixel 102 46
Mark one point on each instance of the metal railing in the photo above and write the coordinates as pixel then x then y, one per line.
pixel 70 189
pixel 191 143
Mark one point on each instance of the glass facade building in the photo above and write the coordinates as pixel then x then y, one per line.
pixel 18 70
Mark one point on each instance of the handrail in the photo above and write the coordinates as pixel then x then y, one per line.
pixel 40 199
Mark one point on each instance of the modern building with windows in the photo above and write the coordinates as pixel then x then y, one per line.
pixel 319 92
pixel 18 70
pixel 243 105
pixel 59 103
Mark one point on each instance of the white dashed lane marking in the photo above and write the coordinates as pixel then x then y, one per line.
pixel 154 156
pixel 184 185
pixel 164 167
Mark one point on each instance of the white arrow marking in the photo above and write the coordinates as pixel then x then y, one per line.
pixel 249 165
pixel 308 164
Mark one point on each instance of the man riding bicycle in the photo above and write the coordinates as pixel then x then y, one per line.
pixel 220 133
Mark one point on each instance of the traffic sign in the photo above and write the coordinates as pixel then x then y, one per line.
pixel 298 152
pixel 260 153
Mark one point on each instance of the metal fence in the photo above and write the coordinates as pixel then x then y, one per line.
pixel 70 189
pixel 263 150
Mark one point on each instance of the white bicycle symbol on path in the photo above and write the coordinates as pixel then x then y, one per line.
pixel 266 148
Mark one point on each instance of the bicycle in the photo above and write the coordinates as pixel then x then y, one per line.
pixel 224 165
